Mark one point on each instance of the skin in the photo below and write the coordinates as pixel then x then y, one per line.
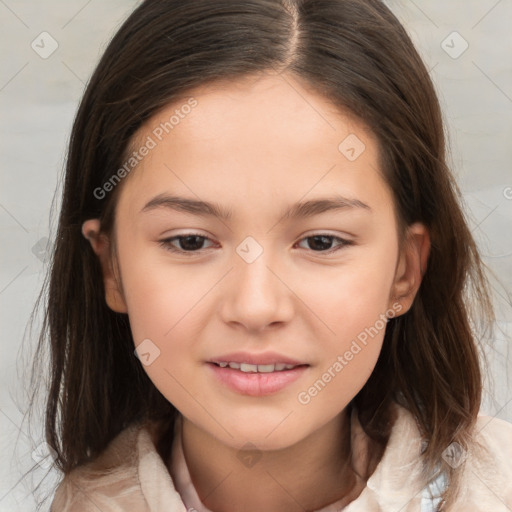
pixel 256 147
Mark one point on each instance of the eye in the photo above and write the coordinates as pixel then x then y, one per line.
pixel 321 242
pixel 190 243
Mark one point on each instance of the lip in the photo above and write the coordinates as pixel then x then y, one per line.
pixel 256 384
pixel 251 358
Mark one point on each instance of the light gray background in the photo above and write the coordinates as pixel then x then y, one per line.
pixel 38 99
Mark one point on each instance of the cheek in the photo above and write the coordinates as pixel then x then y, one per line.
pixel 350 297
pixel 351 302
pixel 160 297
pixel 164 306
pixel 348 350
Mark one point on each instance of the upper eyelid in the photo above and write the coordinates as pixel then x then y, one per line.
pixel 307 235
pixel 343 241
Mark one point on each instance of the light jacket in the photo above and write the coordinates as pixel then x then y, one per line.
pixel 131 476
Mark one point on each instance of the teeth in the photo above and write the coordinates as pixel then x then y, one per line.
pixel 259 368
pixel 265 368
pixel 244 367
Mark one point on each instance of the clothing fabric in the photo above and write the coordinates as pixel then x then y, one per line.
pixel 131 476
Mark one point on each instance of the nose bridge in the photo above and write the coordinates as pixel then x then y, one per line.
pixel 256 296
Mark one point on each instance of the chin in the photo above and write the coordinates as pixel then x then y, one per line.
pixel 265 435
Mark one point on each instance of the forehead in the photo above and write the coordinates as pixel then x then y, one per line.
pixel 269 137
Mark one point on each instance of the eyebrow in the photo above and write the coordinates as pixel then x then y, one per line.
pixel 298 210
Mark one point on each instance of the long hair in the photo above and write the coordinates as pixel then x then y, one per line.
pixel 356 54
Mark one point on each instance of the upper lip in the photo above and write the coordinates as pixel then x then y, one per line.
pixel 263 358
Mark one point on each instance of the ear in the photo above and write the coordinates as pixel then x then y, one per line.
pixel 411 266
pixel 101 246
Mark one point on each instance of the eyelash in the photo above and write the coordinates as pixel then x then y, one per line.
pixel 166 243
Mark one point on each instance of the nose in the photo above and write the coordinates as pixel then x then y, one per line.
pixel 256 295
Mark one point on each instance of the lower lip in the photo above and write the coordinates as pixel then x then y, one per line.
pixel 256 384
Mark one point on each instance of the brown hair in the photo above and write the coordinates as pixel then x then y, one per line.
pixel 353 52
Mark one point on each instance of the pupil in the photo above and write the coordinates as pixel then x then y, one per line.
pixel 325 239
pixel 185 242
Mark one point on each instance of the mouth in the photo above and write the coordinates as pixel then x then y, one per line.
pixel 256 368
pixel 256 380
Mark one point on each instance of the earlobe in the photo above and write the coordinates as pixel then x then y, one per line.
pixel 412 265
pixel 91 230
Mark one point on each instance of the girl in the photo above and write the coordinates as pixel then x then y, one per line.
pixel 314 349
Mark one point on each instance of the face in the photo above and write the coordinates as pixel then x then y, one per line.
pixel 264 280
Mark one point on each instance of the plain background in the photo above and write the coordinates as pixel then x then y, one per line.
pixel 39 97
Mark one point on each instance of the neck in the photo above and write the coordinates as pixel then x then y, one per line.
pixel 308 475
